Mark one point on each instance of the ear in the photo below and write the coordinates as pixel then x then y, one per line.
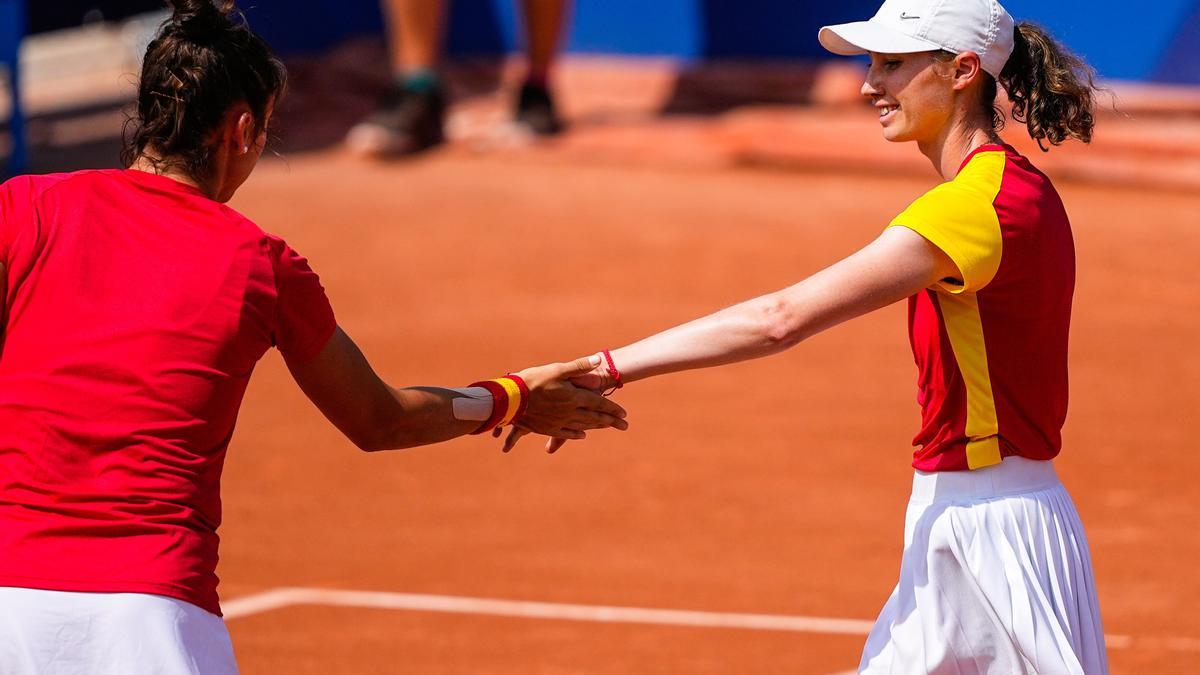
pixel 967 67
pixel 245 129
pixel 245 126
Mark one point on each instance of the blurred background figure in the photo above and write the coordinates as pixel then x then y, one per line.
pixel 411 117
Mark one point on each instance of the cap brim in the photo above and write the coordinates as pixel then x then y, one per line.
pixel 860 37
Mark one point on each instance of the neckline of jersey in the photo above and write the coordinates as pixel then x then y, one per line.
pixel 986 147
pixel 162 182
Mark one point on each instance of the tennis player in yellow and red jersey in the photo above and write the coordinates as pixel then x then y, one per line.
pixel 996 575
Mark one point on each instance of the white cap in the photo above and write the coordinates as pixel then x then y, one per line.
pixel 907 26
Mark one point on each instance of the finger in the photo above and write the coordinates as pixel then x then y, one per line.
pixel 497 431
pixel 513 437
pixel 610 422
pixel 580 366
pixel 589 419
pixel 591 381
pixel 554 444
pixel 565 433
pixel 599 403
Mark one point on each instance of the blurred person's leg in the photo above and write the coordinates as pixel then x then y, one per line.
pixel 411 116
pixel 545 21
pixel 415 33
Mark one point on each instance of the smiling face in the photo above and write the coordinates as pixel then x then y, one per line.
pixel 913 93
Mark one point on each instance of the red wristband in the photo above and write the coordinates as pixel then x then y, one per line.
pixel 500 405
pixel 613 373
pixel 524 396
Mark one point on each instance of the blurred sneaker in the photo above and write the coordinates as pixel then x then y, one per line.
pixel 406 122
pixel 535 110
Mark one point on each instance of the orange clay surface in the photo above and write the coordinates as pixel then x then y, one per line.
pixel 773 487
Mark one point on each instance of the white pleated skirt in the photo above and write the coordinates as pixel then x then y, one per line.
pixel 996 579
pixel 64 633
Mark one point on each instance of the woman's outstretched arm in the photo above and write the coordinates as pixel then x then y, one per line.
pixel 376 416
pixel 896 265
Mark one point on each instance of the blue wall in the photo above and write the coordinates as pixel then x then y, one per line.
pixel 1161 44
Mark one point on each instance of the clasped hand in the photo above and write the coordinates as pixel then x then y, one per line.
pixel 565 402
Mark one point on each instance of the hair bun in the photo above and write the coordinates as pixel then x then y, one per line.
pixel 201 18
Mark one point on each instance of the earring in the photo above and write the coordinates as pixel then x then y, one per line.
pixel 245 149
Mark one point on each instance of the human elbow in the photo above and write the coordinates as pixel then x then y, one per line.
pixel 377 434
pixel 395 434
pixel 390 425
pixel 369 441
pixel 779 322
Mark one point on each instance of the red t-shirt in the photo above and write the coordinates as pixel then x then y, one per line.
pixel 136 311
pixel 991 344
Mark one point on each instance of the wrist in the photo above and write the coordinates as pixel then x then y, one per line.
pixel 510 399
pixel 613 379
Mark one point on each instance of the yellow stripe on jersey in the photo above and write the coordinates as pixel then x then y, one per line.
pixel 965 330
pixel 960 219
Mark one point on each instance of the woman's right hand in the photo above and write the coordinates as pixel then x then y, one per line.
pixel 598 378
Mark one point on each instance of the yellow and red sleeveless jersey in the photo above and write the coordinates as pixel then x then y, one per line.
pixel 991 345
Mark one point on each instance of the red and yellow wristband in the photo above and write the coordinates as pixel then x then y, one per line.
pixel 510 398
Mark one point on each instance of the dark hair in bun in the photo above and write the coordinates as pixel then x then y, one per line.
pixel 201 18
pixel 203 60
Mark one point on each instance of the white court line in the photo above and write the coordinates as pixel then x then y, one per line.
pixel 283 597
pixel 263 602
pixel 286 597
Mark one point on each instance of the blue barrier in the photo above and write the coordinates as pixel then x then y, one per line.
pixel 1161 43
pixel 12 29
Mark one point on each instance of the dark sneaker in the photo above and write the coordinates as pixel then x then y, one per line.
pixel 406 122
pixel 535 110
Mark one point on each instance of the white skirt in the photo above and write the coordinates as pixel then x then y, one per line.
pixel 996 579
pixel 63 633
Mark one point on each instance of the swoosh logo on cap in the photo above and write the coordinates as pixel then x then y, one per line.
pixel 906 15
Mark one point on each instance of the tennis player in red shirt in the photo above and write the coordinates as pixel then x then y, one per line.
pixel 996 575
pixel 135 307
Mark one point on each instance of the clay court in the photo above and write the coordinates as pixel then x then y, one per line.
pixel 761 503
pixel 750 521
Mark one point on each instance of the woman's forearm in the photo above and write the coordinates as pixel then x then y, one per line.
pixel 372 414
pixel 749 330
pixel 546 403
pixel 376 416
pixel 894 266
pixel 419 416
